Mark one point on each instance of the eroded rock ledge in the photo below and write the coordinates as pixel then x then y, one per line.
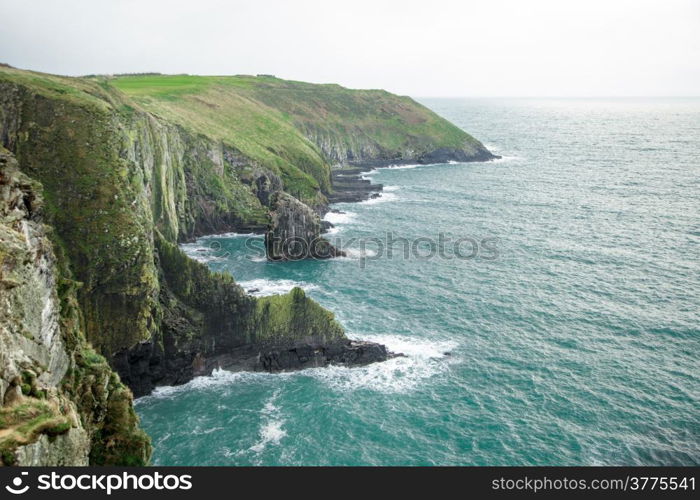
pixel 147 366
pixel 349 186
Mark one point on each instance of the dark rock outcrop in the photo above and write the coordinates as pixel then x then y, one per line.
pixel 148 365
pixel 439 155
pixel 349 186
pixel 295 232
pixel 264 184
pixel 209 321
pixel 301 355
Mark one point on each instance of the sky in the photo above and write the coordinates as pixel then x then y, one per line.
pixel 420 48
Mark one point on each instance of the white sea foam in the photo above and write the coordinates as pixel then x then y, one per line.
pixel 503 158
pixel 366 176
pixel 507 159
pixel 422 360
pixel 411 346
pixel 233 235
pixel 264 287
pixel 380 199
pixel 404 167
pixel 391 189
pixel 217 378
pixel 409 166
pixel 270 433
pixel 271 430
pixel 357 253
pixel 339 218
pixel 202 253
pixel 193 248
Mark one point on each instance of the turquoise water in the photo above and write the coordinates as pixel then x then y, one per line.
pixel 578 344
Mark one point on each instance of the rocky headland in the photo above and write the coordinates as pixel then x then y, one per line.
pixel 102 177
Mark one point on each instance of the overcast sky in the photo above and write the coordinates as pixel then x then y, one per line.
pixel 418 48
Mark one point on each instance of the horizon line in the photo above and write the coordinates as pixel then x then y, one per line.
pixel 640 96
pixel 416 96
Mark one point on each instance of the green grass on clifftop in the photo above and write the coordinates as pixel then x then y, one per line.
pixel 292 126
pixel 222 108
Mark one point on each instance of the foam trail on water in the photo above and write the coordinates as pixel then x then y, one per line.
pixel 233 235
pixel 422 359
pixel 263 287
pixel 271 430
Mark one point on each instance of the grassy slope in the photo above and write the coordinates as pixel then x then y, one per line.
pixel 223 108
pixel 269 119
pixel 393 122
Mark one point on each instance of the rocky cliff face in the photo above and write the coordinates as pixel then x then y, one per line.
pixel 295 232
pixel 105 186
pixel 122 188
pixel 209 322
pixel 60 402
pixel 366 150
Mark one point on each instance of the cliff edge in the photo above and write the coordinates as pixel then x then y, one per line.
pixel 111 174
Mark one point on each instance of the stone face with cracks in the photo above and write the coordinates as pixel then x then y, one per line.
pixel 60 403
pixel 295 232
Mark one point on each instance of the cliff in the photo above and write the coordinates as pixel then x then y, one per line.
pixel 61 402
pixel 295 232
pixel 128 167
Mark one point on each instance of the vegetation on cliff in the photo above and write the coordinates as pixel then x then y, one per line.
pixel 56 393
pixel 280 122
pixel 132 165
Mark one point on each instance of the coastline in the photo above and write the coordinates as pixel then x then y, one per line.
pixel 274 357
pixel 349 185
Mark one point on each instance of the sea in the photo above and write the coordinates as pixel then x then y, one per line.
pixel 547 303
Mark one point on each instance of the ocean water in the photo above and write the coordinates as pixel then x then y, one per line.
pixel 570 338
